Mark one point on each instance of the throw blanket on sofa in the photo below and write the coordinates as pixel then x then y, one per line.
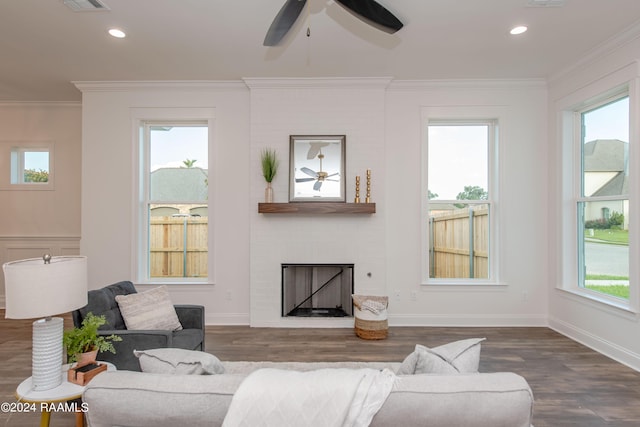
pixel 322 398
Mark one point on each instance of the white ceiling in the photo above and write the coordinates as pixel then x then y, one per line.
pixel 44 45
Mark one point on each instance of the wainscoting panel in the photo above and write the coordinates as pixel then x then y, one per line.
pixel 13 248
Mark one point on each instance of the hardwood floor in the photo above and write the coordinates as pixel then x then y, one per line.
pixel 572 385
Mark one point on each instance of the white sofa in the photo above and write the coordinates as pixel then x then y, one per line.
pixel 127 398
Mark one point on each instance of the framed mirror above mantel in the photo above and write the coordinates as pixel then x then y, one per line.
pixel 317 168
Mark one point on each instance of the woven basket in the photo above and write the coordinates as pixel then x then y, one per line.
pixel 370 329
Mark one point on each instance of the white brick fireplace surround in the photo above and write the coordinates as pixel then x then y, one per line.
pixel 351 107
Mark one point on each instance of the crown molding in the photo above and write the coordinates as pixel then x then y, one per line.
pixel 127 86
pixel 411 85
pixel 311 83
pixel 602 50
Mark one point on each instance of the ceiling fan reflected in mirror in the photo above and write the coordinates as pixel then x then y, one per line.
pixel 369 11
pixel 315 150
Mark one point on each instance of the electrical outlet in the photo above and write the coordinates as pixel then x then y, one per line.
pixel 228 296
pixel 397 294
pixel 413 295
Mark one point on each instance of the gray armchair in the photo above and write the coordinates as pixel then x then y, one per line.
pixel 103 302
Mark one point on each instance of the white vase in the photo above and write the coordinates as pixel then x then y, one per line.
pixel 268 193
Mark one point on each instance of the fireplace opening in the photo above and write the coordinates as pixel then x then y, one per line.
pixel 317 290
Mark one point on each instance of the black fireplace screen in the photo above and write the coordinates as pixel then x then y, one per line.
pixel 317 290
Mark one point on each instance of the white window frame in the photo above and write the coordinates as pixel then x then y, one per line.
pixel 624 81
pixel 16 166
pixel 489 115
pixel 140 258
pixel 580 198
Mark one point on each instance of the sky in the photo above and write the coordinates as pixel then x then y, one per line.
pixel 458 157
pixel 610 121
pixel 171 147
pixel 37 160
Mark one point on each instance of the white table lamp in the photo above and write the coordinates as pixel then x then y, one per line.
pixel 43 287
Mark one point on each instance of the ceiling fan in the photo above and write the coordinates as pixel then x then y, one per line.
pixel 369 11
pixel 316 151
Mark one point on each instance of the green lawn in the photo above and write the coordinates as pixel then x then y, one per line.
pixel 620 291
pixel 612 236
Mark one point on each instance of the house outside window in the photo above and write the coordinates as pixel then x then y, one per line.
pixel 602 199
pixel 173 209
pixel 460 201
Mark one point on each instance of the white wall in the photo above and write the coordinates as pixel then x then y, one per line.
pixel 351 107
pixel 521 298
pixel 383 124
pixel 609 330
pixel 107 190
pixel 36 222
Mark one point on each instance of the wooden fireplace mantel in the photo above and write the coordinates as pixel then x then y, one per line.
pixel 317 208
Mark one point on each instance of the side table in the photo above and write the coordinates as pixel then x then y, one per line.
pixel 63 393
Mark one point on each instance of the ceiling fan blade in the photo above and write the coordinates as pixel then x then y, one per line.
pixel 283 21
pixel 305 179
pixel 314 149
pixel 333 174
pixel 309 172
pixel 373 12
pixel 317 185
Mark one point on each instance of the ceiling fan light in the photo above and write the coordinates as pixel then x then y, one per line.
pixel 518 30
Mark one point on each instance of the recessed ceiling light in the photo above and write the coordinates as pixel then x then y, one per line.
pixel 518 30
pixel 117 33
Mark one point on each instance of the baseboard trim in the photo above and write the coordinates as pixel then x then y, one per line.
pixel 231 319
pixel 594 342
pixel 463 320
pixel 305 322
pixel 394 320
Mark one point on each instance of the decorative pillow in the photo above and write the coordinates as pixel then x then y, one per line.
pixel 408 366
pixel 177 361
pixel 457 357
pixel 151 309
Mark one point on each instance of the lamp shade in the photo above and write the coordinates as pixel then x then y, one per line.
pixel 34 289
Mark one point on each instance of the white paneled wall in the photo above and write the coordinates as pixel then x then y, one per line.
pixel 280 108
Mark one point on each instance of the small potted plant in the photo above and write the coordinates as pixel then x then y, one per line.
pixel 85 340
pixel 269 163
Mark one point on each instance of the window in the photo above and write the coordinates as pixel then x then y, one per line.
pixel 30 166
pixel 173 211
pixel 460 176
pixel 602 199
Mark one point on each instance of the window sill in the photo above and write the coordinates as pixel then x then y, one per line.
pixel 44 186
pixel 620 306
pixel 463 283
pixel 174 282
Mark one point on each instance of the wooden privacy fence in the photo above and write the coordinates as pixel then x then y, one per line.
pixel 178 246
pixel 459 243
